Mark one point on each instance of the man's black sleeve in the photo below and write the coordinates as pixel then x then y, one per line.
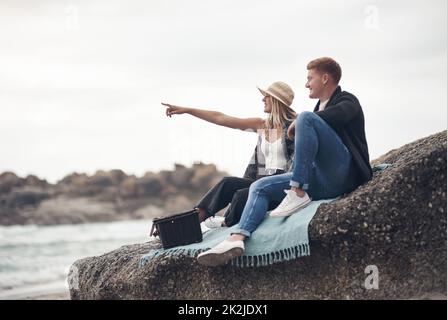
pixel 341 112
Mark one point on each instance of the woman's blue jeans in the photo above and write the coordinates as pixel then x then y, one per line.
pixel 321 168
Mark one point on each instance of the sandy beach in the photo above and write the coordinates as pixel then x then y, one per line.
pixel 62 295
pixel 46 291
pixel 52 296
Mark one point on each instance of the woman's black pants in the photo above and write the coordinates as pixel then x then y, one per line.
pixel 230 190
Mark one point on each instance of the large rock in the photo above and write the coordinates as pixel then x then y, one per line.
pixel 397 222
pixel 8 181
pixel 63 210
pixel 105 196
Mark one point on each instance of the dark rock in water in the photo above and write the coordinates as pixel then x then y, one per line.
pixel 34 182
pixel 150 184
pixel 20 198
pixel 395 225
pixel 8 181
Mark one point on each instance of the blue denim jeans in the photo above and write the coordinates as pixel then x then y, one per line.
pixel 321 168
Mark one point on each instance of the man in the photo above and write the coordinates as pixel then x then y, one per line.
pixel 331 158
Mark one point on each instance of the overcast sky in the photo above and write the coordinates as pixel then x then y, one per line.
pixel 81 81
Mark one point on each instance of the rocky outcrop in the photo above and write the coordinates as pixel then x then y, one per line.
pixel 104 196
pixel 395 225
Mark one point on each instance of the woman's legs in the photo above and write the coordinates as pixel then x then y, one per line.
pixel 234 212
pixel 262 193
pixel 221 195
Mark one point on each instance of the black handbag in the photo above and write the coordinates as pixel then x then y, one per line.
pixel 178 229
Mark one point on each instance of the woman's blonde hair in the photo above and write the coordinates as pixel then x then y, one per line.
pixel 279 116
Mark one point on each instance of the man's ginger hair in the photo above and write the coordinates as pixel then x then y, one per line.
pixel 326 65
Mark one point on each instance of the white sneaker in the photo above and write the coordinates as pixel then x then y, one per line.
pixel 222 253
pixel 214 222
pixel 290 204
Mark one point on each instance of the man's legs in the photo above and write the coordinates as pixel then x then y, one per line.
pixel 321 165
pixel 322 161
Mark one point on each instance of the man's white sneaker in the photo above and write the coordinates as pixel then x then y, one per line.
pixel 290 204
pixel 214 222
pixel 221 253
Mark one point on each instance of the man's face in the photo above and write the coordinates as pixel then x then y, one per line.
pixel 315 84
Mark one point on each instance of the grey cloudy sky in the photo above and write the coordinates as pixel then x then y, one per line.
pixel 81 81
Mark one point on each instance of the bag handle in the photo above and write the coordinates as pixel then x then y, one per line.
pixel 152 229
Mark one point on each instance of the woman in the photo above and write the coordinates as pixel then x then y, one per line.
pixel 273 153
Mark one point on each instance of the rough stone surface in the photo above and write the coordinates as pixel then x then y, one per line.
pixel 397 222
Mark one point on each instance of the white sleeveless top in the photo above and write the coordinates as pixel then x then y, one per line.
pixel 274 153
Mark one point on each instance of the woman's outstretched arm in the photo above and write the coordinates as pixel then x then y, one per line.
pixel 216 117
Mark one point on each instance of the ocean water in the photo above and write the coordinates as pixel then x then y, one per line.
pixel 36 259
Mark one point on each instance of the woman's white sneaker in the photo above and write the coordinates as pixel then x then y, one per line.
pixel 221 253
pixel 214 222
pixel 290 204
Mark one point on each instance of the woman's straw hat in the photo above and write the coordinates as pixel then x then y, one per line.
pixel 280 91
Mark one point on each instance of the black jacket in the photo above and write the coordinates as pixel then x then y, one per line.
pixel 345 115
